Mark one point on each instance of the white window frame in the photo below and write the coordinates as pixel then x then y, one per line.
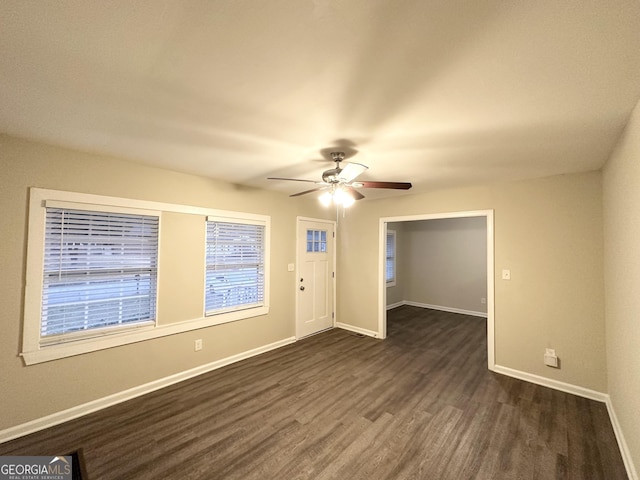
pixel 32 350
pixel 242 311
pixel 94 331
pixel 391 233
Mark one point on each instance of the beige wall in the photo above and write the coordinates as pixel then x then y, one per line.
pixel 547 231
pixel 445 263
pixel 32 392
pixel 622 282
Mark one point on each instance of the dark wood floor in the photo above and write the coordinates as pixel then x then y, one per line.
pixel 419 405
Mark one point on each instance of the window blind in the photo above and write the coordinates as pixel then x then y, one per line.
pixel 235 266
pixel 391 257
pixel 100 271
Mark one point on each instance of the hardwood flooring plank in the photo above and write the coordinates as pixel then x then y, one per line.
pixel 419 405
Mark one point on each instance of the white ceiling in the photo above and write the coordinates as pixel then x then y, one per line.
pixel 437 92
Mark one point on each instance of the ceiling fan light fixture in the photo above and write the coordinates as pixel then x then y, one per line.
pixel 348 200
pixel 340 185
pixel 337 196
pixel 325 198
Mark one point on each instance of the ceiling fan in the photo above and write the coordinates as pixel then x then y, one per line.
pixel 339 185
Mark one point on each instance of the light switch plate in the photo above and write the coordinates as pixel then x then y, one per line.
pixel 291 267
pixel 506 274
pixel 550 358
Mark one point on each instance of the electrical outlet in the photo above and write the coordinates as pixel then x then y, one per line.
pixel 198 345
pixel 483 300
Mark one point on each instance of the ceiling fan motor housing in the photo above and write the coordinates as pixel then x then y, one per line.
pixel 331 176
pixel 337 156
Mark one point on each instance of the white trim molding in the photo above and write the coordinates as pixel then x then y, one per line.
pixel 34 351
pixel 135 335
pixel 110 400
pixel 334 257
pixel 382 290
pixel 353 328
pixel 555 384
pixel 632 473
pixel 396 305
pixel 444 309
pixel 581 392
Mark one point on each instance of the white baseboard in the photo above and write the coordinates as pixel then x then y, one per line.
pixel 101 403
pixel 442 309
pixel 581 392
pixel 555 384
pixel 363 331
pixel 395 305
pixel 622 443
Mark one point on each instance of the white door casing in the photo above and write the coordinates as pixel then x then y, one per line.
pixel 315 247
pixel 382 290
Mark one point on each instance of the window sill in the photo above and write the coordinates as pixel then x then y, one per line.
pixel 55 352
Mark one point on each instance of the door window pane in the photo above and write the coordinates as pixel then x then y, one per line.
pixel 316 241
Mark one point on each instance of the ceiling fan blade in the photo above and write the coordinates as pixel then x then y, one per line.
pixel 394 185
pixel 308 191
pixel 351 171
pixel 354 193
pixel 291 179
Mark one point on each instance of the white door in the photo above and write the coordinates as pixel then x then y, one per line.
pixel 314 300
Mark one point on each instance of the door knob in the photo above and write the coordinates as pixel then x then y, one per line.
pixel 301 287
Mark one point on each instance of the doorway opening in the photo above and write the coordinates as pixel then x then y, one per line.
pixel 384 259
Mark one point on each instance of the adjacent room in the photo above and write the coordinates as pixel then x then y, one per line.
pixel 321 239
pixel 439 263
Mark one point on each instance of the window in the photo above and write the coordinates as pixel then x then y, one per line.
pixel 390 273
pixel 316 241
pixel 235 265
pixel 99 272
pixel 91 275
pixel 95 274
